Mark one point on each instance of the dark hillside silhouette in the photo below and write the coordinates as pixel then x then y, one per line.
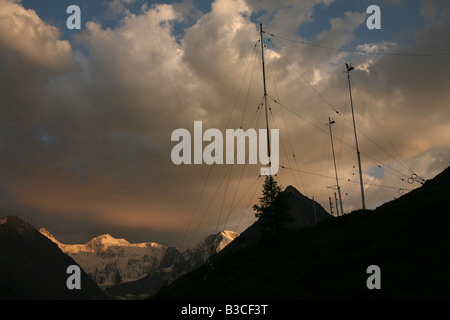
pixel 407 238
pixel 33 267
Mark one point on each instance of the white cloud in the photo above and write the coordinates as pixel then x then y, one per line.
pixel 22 32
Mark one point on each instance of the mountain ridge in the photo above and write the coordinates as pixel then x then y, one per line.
pixel 306 212
pixel 177 264
pixel 405 237
pixel 101 242
pixel 33 267
pixel 116 264
pixel 25 271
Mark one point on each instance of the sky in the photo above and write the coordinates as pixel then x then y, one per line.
pixel 86 115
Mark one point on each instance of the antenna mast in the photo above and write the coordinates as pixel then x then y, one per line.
pixel 265 93
pixel 349 68
pixel 330 122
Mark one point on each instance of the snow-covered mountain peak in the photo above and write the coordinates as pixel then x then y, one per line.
pixel 210 245
pixel 226 237
pixel 104 241
pixel 229 235
pixel 46 233
pixel 111 261
pixel 99 243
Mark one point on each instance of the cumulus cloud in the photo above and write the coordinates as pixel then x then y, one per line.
pixel 30 54
pixel 37 44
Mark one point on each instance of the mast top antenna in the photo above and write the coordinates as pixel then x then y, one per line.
pixel 349 67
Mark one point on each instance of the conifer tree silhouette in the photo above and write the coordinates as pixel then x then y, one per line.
pixel 273 209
